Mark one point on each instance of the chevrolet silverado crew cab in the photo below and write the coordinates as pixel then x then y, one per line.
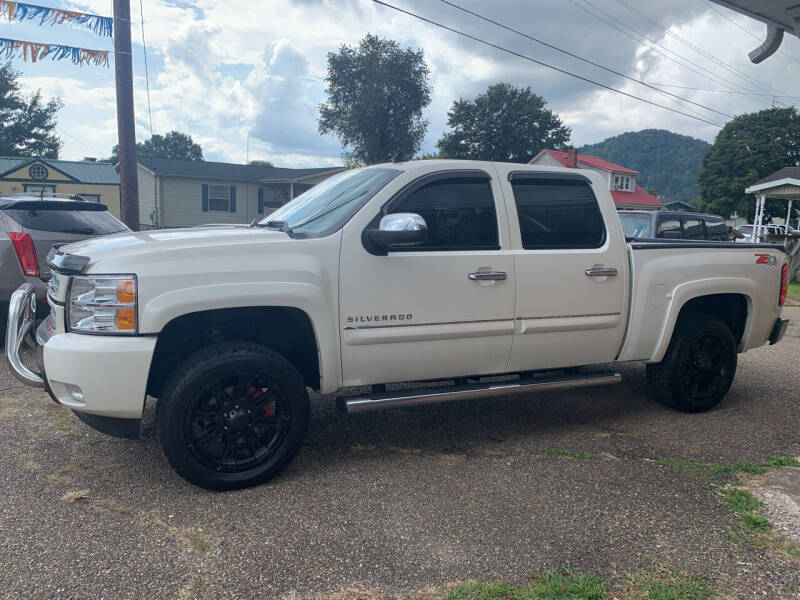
pixel 492 278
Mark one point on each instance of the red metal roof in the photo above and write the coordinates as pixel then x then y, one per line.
pixel 592 161
pixel 638 196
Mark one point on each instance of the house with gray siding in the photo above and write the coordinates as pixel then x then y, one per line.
pixel 185 193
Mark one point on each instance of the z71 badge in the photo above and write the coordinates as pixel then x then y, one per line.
pixel 766 259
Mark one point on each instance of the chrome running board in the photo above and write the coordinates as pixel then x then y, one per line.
pixel 416 397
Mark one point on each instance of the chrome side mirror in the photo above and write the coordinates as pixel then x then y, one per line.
pixel 398 229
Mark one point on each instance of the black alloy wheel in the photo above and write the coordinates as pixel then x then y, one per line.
pixel 699 365
pixel 705 368
pixel 232 415
pixel 237 422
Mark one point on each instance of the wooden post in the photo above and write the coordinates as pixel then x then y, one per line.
pixel 126 125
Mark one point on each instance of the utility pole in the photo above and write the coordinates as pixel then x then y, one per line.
pixel 126 125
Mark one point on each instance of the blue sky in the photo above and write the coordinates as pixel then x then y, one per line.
pixel 238 70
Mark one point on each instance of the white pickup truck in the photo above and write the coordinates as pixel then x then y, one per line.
pixel 458 271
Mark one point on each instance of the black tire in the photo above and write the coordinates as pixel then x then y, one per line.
pixel 232 415
pixel 699 366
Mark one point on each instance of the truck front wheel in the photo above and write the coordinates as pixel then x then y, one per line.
pixel 232 415
pixel 699 365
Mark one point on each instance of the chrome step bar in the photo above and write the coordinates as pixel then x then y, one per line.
pixel 417 397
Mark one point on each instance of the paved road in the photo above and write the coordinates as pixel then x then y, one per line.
pixel 399 500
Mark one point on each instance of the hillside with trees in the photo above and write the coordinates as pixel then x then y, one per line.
pixel 668 162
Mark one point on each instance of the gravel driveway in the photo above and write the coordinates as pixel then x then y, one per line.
pixel 401 500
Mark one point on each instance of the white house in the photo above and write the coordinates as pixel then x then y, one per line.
pixel 621 181
pixel 185 193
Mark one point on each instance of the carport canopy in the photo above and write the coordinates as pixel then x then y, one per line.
pixel 784 185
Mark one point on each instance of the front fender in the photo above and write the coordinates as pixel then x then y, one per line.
pixel 307 297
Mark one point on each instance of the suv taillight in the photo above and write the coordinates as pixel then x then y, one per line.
pixel 784 284
pixel 26 253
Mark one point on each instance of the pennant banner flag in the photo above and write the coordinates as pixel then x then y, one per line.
pixel 34 51
pixel 19 11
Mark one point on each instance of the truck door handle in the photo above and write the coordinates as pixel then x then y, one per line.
pixel 598 271
pixel 488 276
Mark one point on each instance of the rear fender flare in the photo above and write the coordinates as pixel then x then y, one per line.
pixel 705 287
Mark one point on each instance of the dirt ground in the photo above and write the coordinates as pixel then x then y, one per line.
pixel 399 501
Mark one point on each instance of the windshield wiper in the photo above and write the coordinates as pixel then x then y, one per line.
pixel 280 225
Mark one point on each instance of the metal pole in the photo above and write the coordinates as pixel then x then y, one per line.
pixel 126 125
pixel 759 217
pixel 789 217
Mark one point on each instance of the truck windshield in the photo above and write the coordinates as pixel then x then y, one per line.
pixel 635 226
pixel 330 204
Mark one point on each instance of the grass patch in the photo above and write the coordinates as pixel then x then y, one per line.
pixel 779 462
pixel 716 473
pixel 564 584
pixel 198 542
pixel 568 454
pixel 755 522
pixel 737 467
pixel 660 583
pixel 741 501
pixel 481 590
pixel 793 294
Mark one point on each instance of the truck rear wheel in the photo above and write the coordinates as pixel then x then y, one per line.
pixel 232 415
pixel 699 365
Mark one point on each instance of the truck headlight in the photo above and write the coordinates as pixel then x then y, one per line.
pixel 102 304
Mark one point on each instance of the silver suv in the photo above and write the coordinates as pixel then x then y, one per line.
pixel 31 225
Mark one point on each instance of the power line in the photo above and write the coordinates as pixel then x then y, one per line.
pixel 655 46
pixel 85 145
pixel 685 87
pixel 747 31
pixel 738 72
pixel 543 64
pixel 586 60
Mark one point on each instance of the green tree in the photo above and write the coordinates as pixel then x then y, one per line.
pixel 261 163
pixel 174 144
pixel 505 123
pixel 27 125
pixel 376 93
pixel 748 148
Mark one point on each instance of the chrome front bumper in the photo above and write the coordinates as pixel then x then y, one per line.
pixel 20 328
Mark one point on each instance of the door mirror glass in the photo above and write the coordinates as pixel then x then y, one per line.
pixel 399 229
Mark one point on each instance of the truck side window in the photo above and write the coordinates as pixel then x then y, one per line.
pixel 693 229
pixel 459 211
pixel 670 229
pixel 557 213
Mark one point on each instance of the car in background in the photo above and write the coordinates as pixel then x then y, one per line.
pixel 673 225
pixel 31 225
pixel 788 230
pixel 766 230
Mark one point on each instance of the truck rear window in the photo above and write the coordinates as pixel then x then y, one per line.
pixel 557 213
pixel 66 220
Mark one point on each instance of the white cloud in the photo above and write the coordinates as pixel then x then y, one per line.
pixel 226 71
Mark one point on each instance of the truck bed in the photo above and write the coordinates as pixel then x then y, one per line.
pixel 665 274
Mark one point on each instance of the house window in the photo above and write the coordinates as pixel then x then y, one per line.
pixel 39 190
pixel 37 172
pixel 622 183
pixel 90 197
pixel 219 198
